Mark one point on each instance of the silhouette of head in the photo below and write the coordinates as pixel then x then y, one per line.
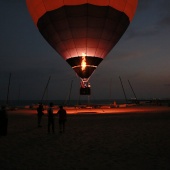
pixel 3 107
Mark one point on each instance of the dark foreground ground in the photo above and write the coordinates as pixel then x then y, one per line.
pixel 126 141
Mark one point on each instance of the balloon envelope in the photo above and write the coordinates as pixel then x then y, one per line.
pixel 82 31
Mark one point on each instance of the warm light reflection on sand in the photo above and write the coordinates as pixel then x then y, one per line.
pixel 73 110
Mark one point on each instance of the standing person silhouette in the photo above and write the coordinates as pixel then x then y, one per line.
pixel 40 113
pixel 62 115
pixel 50 117
pixel 3 121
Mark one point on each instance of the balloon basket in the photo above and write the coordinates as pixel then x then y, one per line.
pixel 85 91
pixel 85 88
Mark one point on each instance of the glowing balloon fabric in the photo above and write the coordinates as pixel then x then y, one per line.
pixel 82 31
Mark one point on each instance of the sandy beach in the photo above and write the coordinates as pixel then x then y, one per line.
pixel 134 138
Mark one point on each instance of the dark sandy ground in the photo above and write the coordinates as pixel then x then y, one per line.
pixel 123 140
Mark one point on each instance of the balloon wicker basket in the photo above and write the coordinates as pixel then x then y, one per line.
pixel 85 90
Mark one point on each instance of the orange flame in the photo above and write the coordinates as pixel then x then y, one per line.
pixel 83 62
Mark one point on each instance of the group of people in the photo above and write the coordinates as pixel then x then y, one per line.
pixel 62 116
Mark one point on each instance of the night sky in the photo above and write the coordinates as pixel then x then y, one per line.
pixel 142 56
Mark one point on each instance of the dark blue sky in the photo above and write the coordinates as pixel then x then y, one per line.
pixel 141 56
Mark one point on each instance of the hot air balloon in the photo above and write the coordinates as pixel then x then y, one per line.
pixel 82 31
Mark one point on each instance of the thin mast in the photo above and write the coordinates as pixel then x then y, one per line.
pixel 70 92
pixel 111 89
pixel 45 88
pixel 19 93
pixel 123 89
pixel 132 90
pixel 8 89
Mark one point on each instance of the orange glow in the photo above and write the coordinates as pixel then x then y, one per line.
pixel 83 62
pixel 104 109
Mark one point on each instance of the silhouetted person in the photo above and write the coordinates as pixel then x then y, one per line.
pixel 40 113
pixel 50 117
pixel 3 121
pixel 62 115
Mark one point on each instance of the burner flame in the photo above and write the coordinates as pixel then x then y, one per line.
pixel 83 62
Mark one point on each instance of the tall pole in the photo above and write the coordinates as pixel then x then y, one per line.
pixel 70 92
pixel 88 98
pixel 19 93
pixel 110 89
pixel 123 89
pixel 132 90
pixel 8 89
pixel 45 88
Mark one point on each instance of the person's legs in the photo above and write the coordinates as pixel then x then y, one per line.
pixel 39 121
pixel 63 126
pixel 5 127
pixel 52 122
pixel 49 124
pixel 60 126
